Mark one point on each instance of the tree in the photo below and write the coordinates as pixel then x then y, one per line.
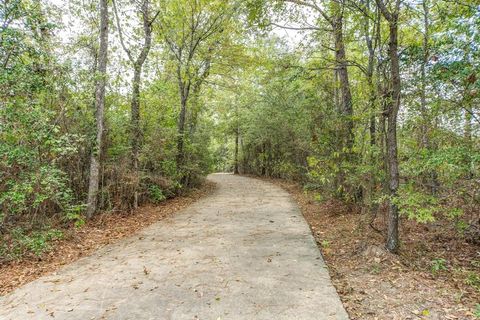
pixel 137 64
pixel 95 158
pixel 335 19
pixel 392 108
pixel 191 31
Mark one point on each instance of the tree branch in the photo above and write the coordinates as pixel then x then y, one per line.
pixel 120 33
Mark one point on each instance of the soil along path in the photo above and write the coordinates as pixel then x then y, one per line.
pixel 244 252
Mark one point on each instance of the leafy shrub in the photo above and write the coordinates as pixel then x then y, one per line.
pixel 39 242
pixel 156 194
pixel 20 242
pixel 75 213
pixel 416 205
pixel 34 190
pixel 32 148
pixel 422 207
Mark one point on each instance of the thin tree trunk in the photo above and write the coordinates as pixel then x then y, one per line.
pixel 383 137
pixel 372 41
pixel 135 129
pixel 237 134
pixel 423 78
pixel 392 106
pixel 345 101
pixel 392 152
pixel 95 158
pixel 336 96
pixel 468 127
pixel 244 163
pixel 431 178
pixel 342 72
pixel 370 189
pixel 372 45
pixel 136 132
pixel 181 130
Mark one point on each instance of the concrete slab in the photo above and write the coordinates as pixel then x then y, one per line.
pixel 245 252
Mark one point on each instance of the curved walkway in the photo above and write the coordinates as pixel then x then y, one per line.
pixel 245 252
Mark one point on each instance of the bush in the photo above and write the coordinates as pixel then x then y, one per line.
pixel 155 193
pixel 19 242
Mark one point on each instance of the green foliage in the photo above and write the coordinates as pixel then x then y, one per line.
pixel 438 265
pixel 156 194
pixel 31 153
pixel 75 213
pixel 34 145
pixel 461 226
pixel 325 244
pixel 473 279
pixel 21 242
pixel 476 312
pixel 416 205
pixel 375 268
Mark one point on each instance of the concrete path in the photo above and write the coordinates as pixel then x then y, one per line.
pixel 244 252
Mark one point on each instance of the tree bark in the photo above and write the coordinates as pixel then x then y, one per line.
pixel 423 77
pixel 181 126
pixel 345 102
pixel 135 128
pixel 392 149
pixel 431 177
pixel 95 158
pixel 392 108
pixel 372 39
pixel 237 134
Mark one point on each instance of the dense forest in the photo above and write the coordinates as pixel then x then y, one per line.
pixel 108 105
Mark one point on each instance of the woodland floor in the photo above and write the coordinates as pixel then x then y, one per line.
pixel 102 230
pixel 374 284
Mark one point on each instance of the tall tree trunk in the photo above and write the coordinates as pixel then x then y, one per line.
pixel 372 41
pixel 345 96
pixel 345 102
pixel 372 36
pixel 423 77
pixel 431 176
pixel 392 108
pixel 392 150
pixel 135 129
pixel 372 125
pixel 95 158
pixel 245 161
